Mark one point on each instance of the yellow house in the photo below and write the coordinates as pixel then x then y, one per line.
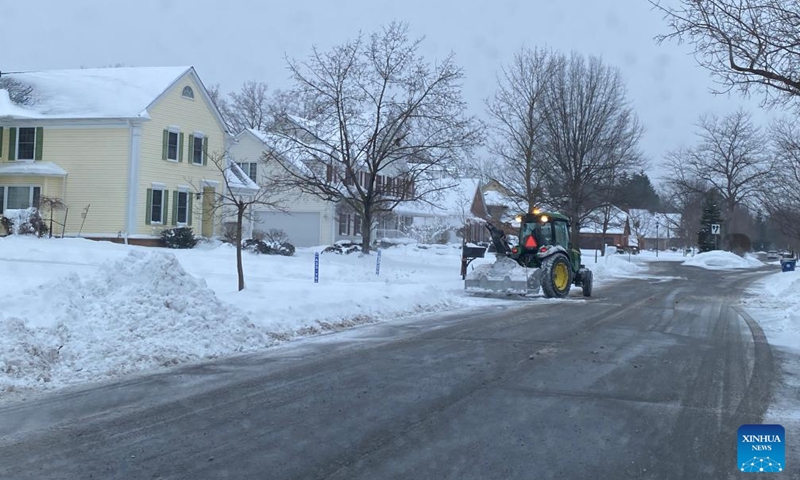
pixel 129 151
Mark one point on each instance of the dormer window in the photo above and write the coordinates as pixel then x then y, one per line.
pixel 187 92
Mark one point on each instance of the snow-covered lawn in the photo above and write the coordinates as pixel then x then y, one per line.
pixel 774 302
pixel 79 311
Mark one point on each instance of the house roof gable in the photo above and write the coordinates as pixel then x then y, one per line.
pixel 98 93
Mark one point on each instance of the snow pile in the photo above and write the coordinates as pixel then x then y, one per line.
pixel 612 266
pixel 141 312
pixel 775 303
pixel 120 309
pixel 720 260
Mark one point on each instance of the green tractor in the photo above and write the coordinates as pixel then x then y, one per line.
pixel 545 258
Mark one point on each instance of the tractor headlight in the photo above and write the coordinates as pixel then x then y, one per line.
pixel 518 218
pixel 545 218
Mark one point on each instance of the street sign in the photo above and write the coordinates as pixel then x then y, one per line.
pixel 715 229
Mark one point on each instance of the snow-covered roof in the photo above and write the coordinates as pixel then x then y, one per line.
pixel 239 181
pixel 91 92
pixel 46 169
pixel 452 202
pixel 644 222
pixel 280 145
pixel 495 198
pixel 616 221
pixel 11 108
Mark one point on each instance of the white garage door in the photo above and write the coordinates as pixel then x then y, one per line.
pixel 302 228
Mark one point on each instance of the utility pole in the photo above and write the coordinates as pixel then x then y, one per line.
pixel 657 240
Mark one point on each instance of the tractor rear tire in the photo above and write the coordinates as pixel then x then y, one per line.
pixel 586 284
pixel 556 277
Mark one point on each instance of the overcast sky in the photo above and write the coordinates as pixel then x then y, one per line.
pixel 232 41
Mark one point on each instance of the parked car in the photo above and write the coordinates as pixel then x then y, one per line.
pixel 773 255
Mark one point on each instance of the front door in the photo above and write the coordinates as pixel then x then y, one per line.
pixel 208 212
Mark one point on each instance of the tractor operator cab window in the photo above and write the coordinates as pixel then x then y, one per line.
pixel 562 234
pixel 527 229
pixel 547 233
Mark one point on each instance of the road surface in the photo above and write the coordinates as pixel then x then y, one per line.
pixel 648 379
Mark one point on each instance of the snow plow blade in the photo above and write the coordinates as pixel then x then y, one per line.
pixel 503 276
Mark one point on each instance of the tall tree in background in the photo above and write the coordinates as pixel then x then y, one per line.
pixel 782 199
pixel 376 111
pixel 731 156
pixel 636 191
pixel 751 45
pixel 706 241
pixel 516 121
pixel 688 202
pixel 250 107
pixel 590 132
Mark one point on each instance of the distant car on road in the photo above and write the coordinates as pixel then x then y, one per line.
pixel 773 255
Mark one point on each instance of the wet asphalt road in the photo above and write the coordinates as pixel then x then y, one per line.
pixel 649 379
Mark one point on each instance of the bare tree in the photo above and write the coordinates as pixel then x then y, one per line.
pixel 238 196
pixel 516 114
pixel 745 44
pixel 641 222
pixel 731 157
pixel 686 199
pixel 249 107
pixel 590 133
pixel 782 199
pixel 383 126
pixel 52 204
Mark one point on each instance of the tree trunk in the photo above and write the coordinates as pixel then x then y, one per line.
pixel 239 269
pixel 366 230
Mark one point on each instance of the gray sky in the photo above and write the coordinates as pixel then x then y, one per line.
pixel 232 41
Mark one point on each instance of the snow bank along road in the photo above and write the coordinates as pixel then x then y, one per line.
pixel 649 379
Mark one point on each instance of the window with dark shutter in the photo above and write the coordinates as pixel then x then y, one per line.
pixel 172 146
pixel 157 206
pixel 197 150
pixel 26 143
pixel 182 207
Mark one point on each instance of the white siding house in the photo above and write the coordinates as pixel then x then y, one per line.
pixel 307 220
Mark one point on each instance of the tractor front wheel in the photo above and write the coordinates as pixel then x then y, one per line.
pixel 556 277
pixel 587 283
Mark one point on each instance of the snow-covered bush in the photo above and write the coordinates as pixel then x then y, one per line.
pixel 430 233
pixel 343 247
pixel 181 237
pixel 24 221
pixel 268 248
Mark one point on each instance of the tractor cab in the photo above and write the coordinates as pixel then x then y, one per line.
pixel 540 232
